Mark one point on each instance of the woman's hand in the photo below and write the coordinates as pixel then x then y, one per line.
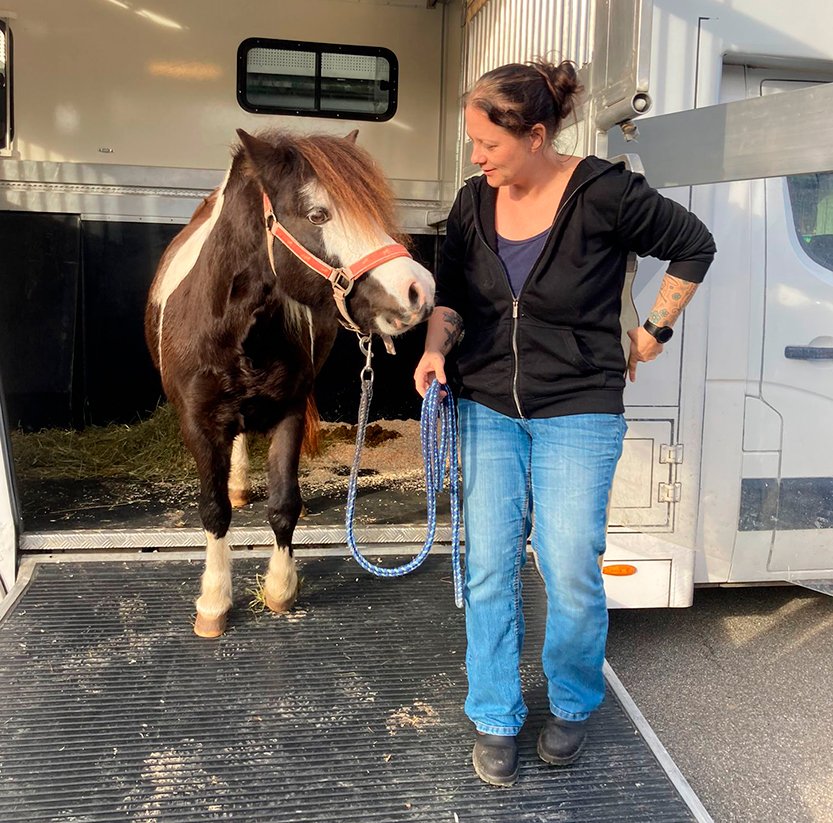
pixel 644 347
pixel 431 366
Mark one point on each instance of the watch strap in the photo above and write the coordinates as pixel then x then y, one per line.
pixel 662 333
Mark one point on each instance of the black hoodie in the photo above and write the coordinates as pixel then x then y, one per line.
pixel 556 349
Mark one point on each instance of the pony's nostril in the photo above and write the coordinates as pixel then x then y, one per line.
pixel 416 296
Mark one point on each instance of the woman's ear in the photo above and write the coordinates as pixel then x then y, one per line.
pixel 538 137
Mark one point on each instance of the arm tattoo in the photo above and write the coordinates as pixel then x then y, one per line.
pixel 674 295
pixel 453 328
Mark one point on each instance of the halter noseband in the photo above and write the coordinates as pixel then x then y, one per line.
pixel 341 279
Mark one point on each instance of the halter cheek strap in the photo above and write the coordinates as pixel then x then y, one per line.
pixel 341 279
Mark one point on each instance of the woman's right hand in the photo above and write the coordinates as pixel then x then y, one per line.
pixel 431 366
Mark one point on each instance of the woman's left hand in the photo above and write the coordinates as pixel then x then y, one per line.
pixel 644 347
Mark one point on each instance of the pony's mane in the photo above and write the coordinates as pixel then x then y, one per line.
pixel 348 173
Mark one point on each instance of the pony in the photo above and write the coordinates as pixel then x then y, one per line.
pixel 239 325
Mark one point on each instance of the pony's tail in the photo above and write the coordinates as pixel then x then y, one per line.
pixel 312 429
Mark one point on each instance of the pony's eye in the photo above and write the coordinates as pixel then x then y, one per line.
pixel 318 216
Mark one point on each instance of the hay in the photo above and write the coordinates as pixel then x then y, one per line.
pixel 257 604
pixel 149 450
pixel 153 449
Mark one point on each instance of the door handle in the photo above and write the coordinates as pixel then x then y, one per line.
pixel 808 352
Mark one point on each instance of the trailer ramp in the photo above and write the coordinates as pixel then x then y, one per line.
pixel 347 709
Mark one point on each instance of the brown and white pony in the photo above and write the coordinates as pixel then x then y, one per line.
pixel 238 345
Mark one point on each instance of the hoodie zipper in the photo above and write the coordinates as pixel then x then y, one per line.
pixel 515 350
pixel 516 300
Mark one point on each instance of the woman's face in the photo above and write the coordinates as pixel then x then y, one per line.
pixel 504 158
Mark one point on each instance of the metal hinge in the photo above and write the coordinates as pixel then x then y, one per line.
pixel 669 492
pixel 671 454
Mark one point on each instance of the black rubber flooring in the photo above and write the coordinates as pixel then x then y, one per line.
pixel 113 503
pixel 348 709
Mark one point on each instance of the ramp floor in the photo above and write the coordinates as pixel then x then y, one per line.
pixel 347 709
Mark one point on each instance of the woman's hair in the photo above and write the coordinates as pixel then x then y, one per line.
pixel 519 95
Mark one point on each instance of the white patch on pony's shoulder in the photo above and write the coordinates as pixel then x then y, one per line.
pixel 185 258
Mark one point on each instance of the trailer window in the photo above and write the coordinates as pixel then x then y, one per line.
pixel 316 79
pixel 811 197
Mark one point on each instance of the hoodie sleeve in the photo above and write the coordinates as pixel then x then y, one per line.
pixel 654 226
pixel 451 283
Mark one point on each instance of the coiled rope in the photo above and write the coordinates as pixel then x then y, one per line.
pixel 437 448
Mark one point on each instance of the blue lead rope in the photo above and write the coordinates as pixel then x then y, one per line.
pixel 435 412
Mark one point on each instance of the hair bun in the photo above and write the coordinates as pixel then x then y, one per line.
pixel 562 82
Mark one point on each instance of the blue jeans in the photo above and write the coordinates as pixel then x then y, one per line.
pixel 562 469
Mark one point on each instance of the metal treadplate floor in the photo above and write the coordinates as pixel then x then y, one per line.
pixel 348 709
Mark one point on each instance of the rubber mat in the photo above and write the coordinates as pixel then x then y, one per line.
pixel 347 709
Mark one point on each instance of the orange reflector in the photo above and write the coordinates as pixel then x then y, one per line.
pixel 620 569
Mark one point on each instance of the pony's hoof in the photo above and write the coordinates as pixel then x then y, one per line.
pixel 238 498
pixel 279 606
pixel 209 626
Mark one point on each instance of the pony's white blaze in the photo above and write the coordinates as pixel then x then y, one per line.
pixel 185 258
pixel 400 277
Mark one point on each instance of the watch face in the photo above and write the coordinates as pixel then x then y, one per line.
pixel 664 334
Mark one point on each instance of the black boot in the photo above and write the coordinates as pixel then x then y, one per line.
pixel 561 741
pixel 495 759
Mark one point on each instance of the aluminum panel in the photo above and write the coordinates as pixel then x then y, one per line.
pixel 774 136
pixel 115 539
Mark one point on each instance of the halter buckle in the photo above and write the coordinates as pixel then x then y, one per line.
pixel 340 281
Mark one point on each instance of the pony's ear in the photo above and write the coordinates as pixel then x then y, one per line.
pixel 352 136
pixel 259 153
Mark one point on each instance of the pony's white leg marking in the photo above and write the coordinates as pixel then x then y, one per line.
pixel 215 599
pixel 179 267
pixel 281 586
pixel 238 482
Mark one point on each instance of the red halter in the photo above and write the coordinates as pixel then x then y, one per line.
pixel 341 279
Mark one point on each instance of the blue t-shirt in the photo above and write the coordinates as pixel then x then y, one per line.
pixel 519 257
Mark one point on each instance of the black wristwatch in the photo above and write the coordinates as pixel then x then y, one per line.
pixel 662 333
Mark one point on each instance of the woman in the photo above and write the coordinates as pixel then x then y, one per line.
pixel 531 278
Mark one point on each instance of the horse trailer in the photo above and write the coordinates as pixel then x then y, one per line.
pixel 117 118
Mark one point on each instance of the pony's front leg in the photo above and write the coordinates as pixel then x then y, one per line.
pixel 238 484
pixel 215 590
pixel 281 586
pixel 213 457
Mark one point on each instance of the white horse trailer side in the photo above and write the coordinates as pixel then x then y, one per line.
pixel 125 114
